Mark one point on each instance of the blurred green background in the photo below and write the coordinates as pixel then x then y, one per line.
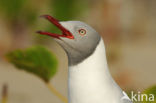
pixel 127 26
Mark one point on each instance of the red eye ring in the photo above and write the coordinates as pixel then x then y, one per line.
pixel 82 32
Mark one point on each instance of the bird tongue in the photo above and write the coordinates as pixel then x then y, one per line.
pixel 65 33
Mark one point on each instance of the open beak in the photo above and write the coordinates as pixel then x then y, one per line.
pixel 65 33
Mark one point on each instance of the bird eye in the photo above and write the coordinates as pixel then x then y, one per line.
pixel 82 31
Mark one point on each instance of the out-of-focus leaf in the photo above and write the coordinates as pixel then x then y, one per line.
pixel 37 60
pixel 149 92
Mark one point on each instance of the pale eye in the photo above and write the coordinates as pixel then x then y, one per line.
pixel 82 32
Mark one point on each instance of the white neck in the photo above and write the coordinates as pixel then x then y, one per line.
pixel 91 82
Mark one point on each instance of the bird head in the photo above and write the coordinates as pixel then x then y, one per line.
pixel 78 39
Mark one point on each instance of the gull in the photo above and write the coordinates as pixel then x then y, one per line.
pixel 89 79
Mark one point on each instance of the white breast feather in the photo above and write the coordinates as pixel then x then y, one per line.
pixel 91 82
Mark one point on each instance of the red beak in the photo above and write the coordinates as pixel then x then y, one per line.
pixel 65 33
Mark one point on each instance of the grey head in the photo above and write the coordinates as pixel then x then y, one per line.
pixel 84 43
pixel 78 39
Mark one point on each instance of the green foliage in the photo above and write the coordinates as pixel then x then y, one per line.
pixel 37 60
pixel 68 9
pixel 12 8
pixel 18 10
pixel 65 10
pixel 151 90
